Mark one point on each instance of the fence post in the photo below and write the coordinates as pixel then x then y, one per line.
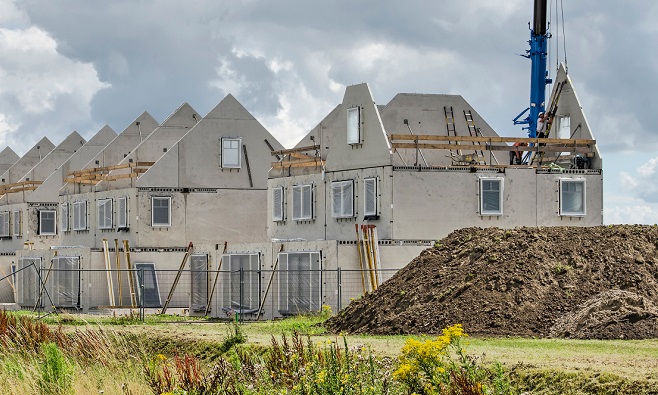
pixel 141 294
pixel 339 273
pixel 240 308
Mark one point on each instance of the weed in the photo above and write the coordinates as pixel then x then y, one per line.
pixel 560 269
pixel 56 371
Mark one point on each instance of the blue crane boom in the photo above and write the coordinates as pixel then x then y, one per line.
pixel 539 74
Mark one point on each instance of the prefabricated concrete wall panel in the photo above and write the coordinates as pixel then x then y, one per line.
pixel 204 217
pixel 426 114
pixel 548 198
pixel 230 214
pixel 48 191
pixel 372 148
pixel 15 241
pixel 33 233
pixel 196 160
pixel 85 236
pixel 155 145
pixel 289 228
pixel 116 150
pixel 27 161
pixel 429 205
pixel 116 232
pixel 339 228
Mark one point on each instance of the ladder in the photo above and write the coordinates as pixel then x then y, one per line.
pixel 473 132
pixel 450 126
pixel 552 110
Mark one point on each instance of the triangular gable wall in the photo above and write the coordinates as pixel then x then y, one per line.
pixel 426 115
pixel 116 150
pixel 569 105
pixel 155 145
pixel 27 161
pixel 195 160
pixel 373 149
pixel 48 191
pixel 48 165
pixel 7 158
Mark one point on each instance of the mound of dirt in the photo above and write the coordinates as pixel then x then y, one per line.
pixel 514 282
pixel 612 314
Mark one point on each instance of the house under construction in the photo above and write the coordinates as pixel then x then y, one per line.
pixel 216 216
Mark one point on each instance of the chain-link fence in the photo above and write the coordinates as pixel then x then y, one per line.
pixel 246 293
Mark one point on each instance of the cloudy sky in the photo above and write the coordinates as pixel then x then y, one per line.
pixel 76 65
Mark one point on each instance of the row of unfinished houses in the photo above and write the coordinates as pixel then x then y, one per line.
pixel 365 191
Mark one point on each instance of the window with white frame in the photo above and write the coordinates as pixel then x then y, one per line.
pixel 277 204
pixel 370 196
pixel 491 196
pixel 80 215
pixel 342 199
pixel 302 202
pixel 47 222
pixel 64 216
pixel 242 283
pixel 18 222
pixel 104 213
pixel 354 125
pixel 161 211
pixel 4 224
pixel 300 282
pixel 122 213
pixel 572 197
pixel 231 153
pixel 199 282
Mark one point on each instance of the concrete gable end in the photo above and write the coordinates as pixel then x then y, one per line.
pixel 569 106
pixel 8 157
pixel 48 191
pixel 27 161
pixel 373 148
pixel 55 158
pixel 434 114
pixel 195 161
pixel 230 108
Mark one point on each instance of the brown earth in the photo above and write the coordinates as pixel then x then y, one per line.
pixel 521 282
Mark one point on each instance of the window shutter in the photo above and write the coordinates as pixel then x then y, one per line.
pixel 123 213
pixel 18 217
pixel 64 209
pixel 277 204
pixel 297 202
pixel 307 212
pixel 348 198
pixel 370 196
pixel 336 190
pixel 4 224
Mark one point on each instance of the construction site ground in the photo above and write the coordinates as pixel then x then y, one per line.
pixel 567 282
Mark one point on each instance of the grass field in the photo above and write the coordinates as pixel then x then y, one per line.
pixel 547 366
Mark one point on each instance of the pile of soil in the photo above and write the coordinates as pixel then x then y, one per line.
pixel 518 282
